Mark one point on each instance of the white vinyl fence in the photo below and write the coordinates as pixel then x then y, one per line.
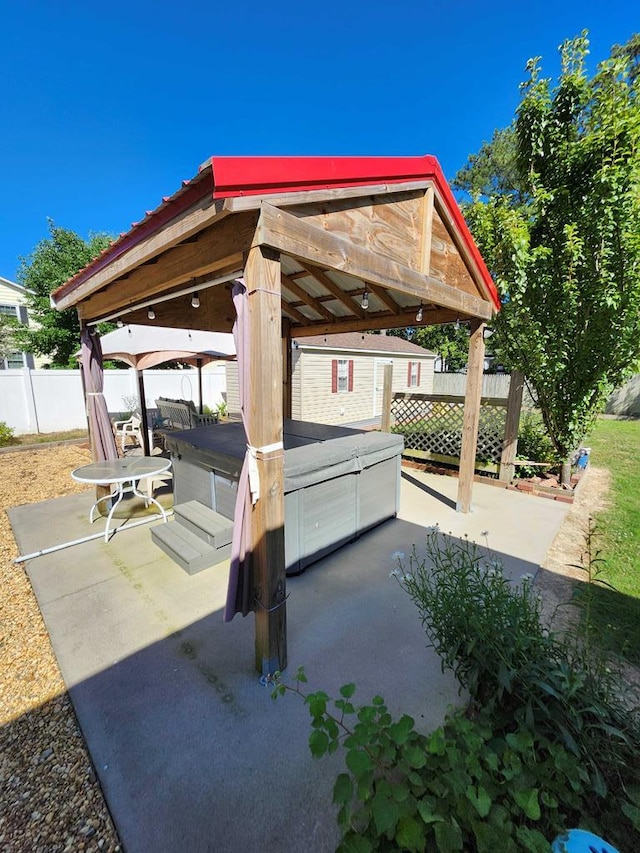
pixel 34 401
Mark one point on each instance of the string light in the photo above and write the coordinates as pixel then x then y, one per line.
pixel 365 299
pixel 419 314
pixel 195 301
pixel 457 323
pixel 119 323
pixel 151 314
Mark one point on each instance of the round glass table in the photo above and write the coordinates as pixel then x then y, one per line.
pixel 125 474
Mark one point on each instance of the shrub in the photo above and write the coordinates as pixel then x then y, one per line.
pixel 7 437
pixel 534 444
pixel 547 742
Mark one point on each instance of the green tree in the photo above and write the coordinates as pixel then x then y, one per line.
pixel 493 171
pixel 53 261
pixel 450 341
pixel 564 250
pixel 8 328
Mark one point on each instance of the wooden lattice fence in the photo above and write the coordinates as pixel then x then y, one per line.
pixel 432 428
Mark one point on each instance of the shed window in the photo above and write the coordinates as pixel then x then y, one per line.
pixel 341 375
pixel 413 374
pixel 9 310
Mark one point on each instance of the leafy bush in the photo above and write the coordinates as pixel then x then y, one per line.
pixel 534 444
pixel 463 787
pixel 549 740
pixel 6 435
pixel 491 635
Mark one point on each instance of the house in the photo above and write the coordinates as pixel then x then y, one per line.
pixel 13 304
pixel 337 379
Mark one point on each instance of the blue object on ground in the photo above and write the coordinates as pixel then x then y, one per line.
pixel 581 841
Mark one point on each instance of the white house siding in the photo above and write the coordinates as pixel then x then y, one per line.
pixel 12 296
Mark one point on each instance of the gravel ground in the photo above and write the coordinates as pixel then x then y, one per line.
pixel 51 800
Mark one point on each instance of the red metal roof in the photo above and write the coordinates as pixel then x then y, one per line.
pixel 229 177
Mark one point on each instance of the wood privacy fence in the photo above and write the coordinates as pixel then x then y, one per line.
pixel 431 425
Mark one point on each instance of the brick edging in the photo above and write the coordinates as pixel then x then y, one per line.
pixel 524 486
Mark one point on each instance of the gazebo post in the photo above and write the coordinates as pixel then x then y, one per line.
pixel 471 417
pixel 265 429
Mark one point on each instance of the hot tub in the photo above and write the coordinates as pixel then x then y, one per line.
pixel 338 482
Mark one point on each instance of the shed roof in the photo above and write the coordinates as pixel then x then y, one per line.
pixel 389 344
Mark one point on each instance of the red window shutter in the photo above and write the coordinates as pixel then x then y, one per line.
pixel 350 374
pixel 409 374
pixel 334 376
pixel 419 368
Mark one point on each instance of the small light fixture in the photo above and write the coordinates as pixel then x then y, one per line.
pixel 195 301
pixel 457 323
pixel 365 299
pixel 151 314
pixel 419 314
pixel 119 323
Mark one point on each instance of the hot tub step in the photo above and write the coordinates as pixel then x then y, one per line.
pixel 186 548
pixel 206 523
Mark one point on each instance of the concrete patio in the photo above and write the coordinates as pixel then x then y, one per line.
pixel 190 749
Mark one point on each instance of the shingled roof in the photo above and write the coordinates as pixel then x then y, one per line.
pixel 388 344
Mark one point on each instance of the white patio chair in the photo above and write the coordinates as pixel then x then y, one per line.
pixel 131 428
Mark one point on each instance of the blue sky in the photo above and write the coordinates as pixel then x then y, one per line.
pixel 105 108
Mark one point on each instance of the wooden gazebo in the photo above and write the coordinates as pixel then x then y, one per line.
pixel 324 245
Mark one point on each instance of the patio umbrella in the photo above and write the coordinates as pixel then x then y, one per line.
pixel 103 445
pixel 143 347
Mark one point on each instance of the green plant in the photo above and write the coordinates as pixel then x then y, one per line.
pixel 562 688
pixel 462 787
pixel 221 408
pixel 534 444
pixel 7 437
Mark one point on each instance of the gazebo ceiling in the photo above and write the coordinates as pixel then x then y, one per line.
pixel 343 227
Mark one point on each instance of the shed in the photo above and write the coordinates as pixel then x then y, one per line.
pixel 322 245
pixel 338 379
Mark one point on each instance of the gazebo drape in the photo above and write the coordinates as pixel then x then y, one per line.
pixel 103 444
pixel 239 591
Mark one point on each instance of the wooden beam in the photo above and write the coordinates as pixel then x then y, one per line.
pixel 197 217
pixel 293 312
pixel 309 244
pixel 217 248
pixel 471 417
pixel 427 226
pixel 461 246
pixel 305 297
pixel 253 202
pixel 510 442
pixel 372 322
pixel 322 278
pixel 264 428
pixel 385 297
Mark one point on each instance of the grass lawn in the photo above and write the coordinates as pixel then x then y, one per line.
pixel 615 445
pixel 48 437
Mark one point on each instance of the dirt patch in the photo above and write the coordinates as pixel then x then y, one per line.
pixel 560 569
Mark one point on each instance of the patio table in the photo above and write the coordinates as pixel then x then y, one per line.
pixel 125 474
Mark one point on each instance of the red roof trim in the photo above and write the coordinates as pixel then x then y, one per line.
pixel 246 176
pixel 230 177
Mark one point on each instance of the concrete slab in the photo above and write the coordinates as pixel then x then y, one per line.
pixel 191 751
